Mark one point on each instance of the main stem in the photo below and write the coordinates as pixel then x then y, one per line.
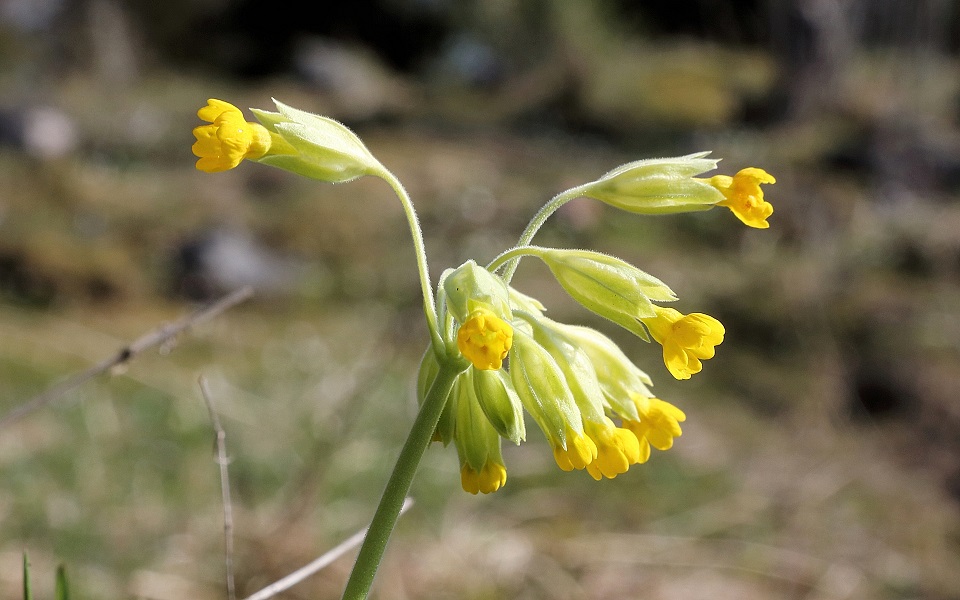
pixel 537 221
pixel 374 544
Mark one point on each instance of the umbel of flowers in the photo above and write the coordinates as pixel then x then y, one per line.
pixel 591 402
pixel 493 354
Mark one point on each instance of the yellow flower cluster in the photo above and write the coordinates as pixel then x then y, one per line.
pixel 573 381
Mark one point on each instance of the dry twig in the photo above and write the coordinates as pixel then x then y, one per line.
pixel 326 559
pixel 156 337
pixel 221 441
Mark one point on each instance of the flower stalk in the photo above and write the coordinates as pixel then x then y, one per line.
pixel 536 223
pixel 429 308
pixel 384 519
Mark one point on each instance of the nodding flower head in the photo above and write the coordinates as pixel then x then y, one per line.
pixel 490 478
pixel 478 444
pixel 228 139
pixel 290 139
pixel 659 423
pixel 686 339
pixel 617 449
pixel 576 452
pixel 485 339
pixel 743 196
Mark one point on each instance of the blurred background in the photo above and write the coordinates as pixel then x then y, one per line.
pixel 821 455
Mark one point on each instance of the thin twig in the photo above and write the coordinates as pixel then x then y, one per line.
pixel 156 337
pixel 224 487
pixel 306 571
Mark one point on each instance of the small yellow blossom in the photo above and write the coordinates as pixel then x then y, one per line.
pixel 485 339
pixel 686 339
pixel 228 139
pixel 580 451
pixel 743 196
pixel 617 449
pixel 659 423
pixel 491 477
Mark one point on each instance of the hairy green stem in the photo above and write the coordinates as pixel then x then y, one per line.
pixel 515 253
pixel 374 544
pixel 426 289
pixel 537 222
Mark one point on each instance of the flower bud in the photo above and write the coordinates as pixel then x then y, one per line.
pixel 429 367
pixel 500 403
pixel 470 286
pixel 521 301
pixel 478 446
pixel 323 149
pixel 616 375
pixel 658 186
pixel 543 390
pixel 575 365
pixel 608 286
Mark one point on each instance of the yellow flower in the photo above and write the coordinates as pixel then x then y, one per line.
pixel 743 196
pixel 491 477
pixel 686 339
pixel 617 449
pixel 579 452
pixel 659 423
pixel 228 139
pixel 478 444
pixel 485 339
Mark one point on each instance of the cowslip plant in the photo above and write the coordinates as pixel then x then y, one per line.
pixel 493 354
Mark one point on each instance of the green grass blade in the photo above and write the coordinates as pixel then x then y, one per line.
pixel 63 590
pixel 27 592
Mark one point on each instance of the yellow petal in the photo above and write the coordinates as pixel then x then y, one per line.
pixel 485 339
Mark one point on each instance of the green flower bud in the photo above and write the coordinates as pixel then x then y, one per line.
pixel 478 445
pixel 618 377
pixel 521 301
pixel 608 286
pixel 574 364
pixel 470 287
pixel 319 147
pixel 658 186
pixel 543 390
pixel 429 367
pixel 499 401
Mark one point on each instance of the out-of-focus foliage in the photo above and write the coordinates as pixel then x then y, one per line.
pixel 819 456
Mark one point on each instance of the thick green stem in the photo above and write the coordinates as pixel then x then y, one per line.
pixel 426 289
pixel 374 544
pixel 538 220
